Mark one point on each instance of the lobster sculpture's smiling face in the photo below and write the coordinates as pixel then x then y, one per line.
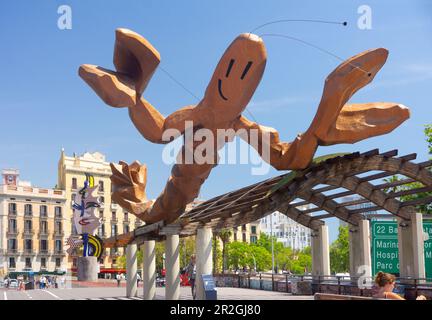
pixel 237 76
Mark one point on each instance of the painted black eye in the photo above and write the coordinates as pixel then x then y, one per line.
pixel 229 67
pixel 249 64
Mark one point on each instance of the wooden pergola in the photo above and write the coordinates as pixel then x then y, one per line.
pixel 319 188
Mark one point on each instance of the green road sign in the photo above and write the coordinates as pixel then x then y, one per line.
pixel 385 255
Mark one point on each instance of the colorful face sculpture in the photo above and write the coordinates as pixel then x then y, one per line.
pixel 85 205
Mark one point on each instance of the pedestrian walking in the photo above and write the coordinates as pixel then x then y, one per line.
pixel 138 279
pixel 191 272
pixel 118 277
pixel 63 282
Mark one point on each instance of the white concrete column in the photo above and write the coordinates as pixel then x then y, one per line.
pixel 149 270
pixel 172 251
pixel 360 250
pixel 320 252
pixel 131 270
pixel 411 247
pixel 204 258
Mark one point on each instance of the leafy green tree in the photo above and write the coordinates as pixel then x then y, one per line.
pixel 428 134
pixel 187 248
pixel 121 261
pixel 260 258
pixel 238 254
pixel 283 257
pixel 160 252
pixel 217 255
pixel 280 252
pixel 424 208
pixel 302 262
pixel 339 252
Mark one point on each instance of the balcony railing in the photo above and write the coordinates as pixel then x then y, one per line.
pixel 12 232
pixel 43 233
pixel 12 212
pixel 59 252
pixel 29 252
pixel 43 216
pixel 58 233
pixel 28 232
pixel 114 220
pixel 13 251
pixel 44 252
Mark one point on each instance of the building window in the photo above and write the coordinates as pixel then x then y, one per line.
pixel 28 210
pixel 101 230
pixel 12 225
pixel 58 227
pixel 58 245
pixel 44 245
pixel 101 186
pixel 253 229
pixel 244 237
pixel 101 214
pixel 44 226
pixel 244 227
pixel 102 200
pixel 12 262
pixel 113 230
pixel 126 228
pixel 57 262
pixel 253 239
pixel 12 208
pixel 43 263
pixel 235 236
pixel 28 263
pixel 43 211
pixel 126 216
pixel 58 212
pixel 113 215
pixel 74 262
pixel 27 225
pixel 74 183
pixel 28 245
pixel 12 244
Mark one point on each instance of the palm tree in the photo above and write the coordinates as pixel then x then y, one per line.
pixel 225 236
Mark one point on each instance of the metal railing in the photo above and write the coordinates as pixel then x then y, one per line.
pixel 343 285
pixel 11 232
pixel 28 232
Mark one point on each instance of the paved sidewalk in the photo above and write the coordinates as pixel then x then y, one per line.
pixel 113 293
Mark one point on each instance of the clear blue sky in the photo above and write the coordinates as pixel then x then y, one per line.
pixel 45 105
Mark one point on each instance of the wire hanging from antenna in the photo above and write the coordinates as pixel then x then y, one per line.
pixel 299 20
pixel 315 47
